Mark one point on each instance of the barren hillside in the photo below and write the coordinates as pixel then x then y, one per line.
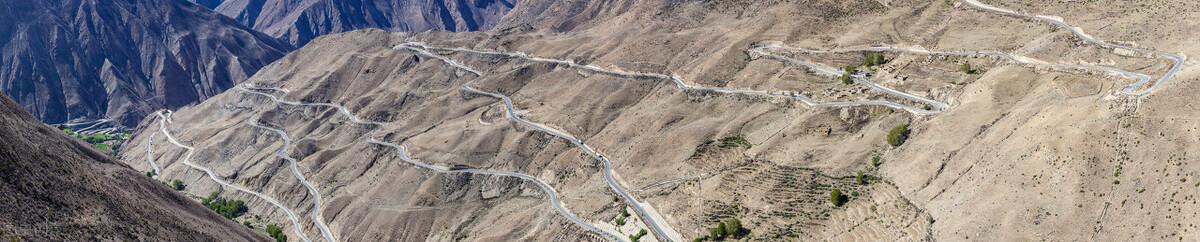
pixel 1020 126
pixel 57 189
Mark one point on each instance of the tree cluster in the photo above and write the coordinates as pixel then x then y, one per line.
pixel 728 229
pixel 898 135
pixel 276 233
pixel 228 208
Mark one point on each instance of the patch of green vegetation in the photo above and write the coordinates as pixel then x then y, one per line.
pixel 734 141
pixel 105 143
pixel 276 233
pixel 898 135
pixel 873 59
pixel 228 208
pixel 621 216
pixel 102 147
pixel 177 185
pixel 847 71
pixel 727 229
pixel 966 68
pixel 876 160
pixel 860 178
pixel 638 236
pixel 837 198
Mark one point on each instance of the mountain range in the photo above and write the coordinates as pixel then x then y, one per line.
pixel 72 60
pixel 299 21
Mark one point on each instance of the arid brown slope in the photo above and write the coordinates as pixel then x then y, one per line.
pixel 1022 154
pixel 57 189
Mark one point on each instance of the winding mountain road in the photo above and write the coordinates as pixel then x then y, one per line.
pixel 661 229
pixel 677 80
pixel 316 208
pixel 150 157
pixel 1131 89
pixel 187 160
pixel 549 190
pixel 555 201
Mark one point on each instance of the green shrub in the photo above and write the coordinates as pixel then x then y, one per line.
pixel 620 221
pixel 860 179
pixel 734 141
pixel 847 71
pixel 638 236
pixel 228 208
pixel 733 228
pixel 277 233
pixel 837 198
pixel 177 185
pixel 876 161
pixel 898 135
pixel 717 233
pixel 873 59
pixel 966 68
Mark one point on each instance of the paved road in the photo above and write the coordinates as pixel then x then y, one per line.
pixel 679 81
pixel 661 229
pixel 549 190
pixel 187 160
pixel 403 154
pixel 1132 89
pixel 763 50
pixel 316 208
pixel 340 108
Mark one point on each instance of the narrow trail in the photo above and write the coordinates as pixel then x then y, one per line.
pixel 555 201
pixel 316 208
pixel 150 157
pixel 187 160
pixel 660 228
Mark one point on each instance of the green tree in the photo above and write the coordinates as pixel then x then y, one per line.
pixel 733 228
pixel 620 221
pixel 966 68
pixel 846 72
pixel 717 233
pixel 837 198
pixel 227 208
pixel 876 160
pixel 873 59
pixel 860 179
pixel 277 233
pixel 638 236
pixel 898 135
pixel 177 185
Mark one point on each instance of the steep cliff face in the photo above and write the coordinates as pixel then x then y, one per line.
pixel 68 60
pixel 57 189
pixel 299 21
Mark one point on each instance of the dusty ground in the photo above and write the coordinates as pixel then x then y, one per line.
pixel 1022 153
